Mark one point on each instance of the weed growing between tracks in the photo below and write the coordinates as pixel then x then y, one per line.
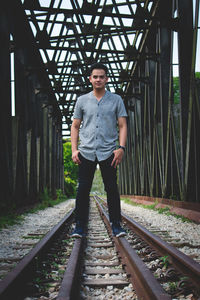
pixel 165 260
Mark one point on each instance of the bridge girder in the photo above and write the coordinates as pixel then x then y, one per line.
pixel 53 44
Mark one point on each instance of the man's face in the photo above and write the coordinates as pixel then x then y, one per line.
pixel 98 79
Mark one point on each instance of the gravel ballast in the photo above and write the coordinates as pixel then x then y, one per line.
pixel 14 243
pixel 17 240
pixel 183 232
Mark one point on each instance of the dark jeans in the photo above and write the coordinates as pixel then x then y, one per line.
pixel 85 176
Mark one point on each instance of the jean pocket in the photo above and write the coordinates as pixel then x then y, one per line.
pixel 80 156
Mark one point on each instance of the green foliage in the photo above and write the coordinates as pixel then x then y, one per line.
pixel 70 170
pixel 176 87
pixel 165 261
pixel 197 75
pixel 59 195
pixel 47 201
pixel 176 90
pixel 182 218
pixel 11 217
pixel 165 210
pixel 45 197
pixel 173 286
pixel 98 185
pixel 70 186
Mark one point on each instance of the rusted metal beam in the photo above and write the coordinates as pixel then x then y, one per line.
pixel 70 284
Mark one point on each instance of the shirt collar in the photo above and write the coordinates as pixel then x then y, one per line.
pixel 105 95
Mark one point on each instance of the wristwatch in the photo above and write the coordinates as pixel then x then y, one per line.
pixel 122 147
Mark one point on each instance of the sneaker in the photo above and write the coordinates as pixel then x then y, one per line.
pixel 117 230
pixel 78 231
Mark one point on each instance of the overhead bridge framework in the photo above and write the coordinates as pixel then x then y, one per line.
pixel 151 50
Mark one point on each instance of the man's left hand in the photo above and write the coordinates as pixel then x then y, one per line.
pixel 118 155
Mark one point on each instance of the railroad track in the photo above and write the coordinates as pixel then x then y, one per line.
pixel 41 265
pixel 178 274
pixel 190 246
pixel 138 266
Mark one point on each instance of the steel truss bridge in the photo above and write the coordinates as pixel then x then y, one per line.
pixel 151 50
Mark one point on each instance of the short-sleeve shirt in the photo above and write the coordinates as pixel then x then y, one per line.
pixel 98 130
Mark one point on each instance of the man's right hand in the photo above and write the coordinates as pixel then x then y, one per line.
pixel 75 157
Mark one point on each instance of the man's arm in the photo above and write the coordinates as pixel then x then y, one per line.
pixel 122 124
pixel 74 140
pixel 118 154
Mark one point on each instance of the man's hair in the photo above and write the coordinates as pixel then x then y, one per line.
pixel 99 66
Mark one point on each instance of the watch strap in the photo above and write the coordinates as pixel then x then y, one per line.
pixel 122 147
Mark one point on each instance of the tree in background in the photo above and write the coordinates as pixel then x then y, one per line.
pixel 176 90
pixel 176 87
pixel 70 170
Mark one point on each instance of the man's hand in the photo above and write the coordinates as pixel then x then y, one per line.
pixel 75 157
pixel 118 155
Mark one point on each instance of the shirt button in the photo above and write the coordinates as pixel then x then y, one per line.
pixel 97 126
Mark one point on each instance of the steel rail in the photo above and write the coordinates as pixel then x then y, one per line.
pixel 70 284
pixel 12 283
pixel 181 261
pixel 145 284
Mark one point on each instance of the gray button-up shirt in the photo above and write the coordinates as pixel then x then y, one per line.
pixel 98 131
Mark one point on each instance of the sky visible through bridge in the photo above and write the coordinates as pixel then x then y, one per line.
pixel 60 49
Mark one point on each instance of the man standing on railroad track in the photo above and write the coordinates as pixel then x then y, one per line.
pixel 97 117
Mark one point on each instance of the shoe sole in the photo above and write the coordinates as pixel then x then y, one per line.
pixel 120 234
pixel 76 235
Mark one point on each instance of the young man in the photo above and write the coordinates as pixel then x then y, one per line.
pixel 97 116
